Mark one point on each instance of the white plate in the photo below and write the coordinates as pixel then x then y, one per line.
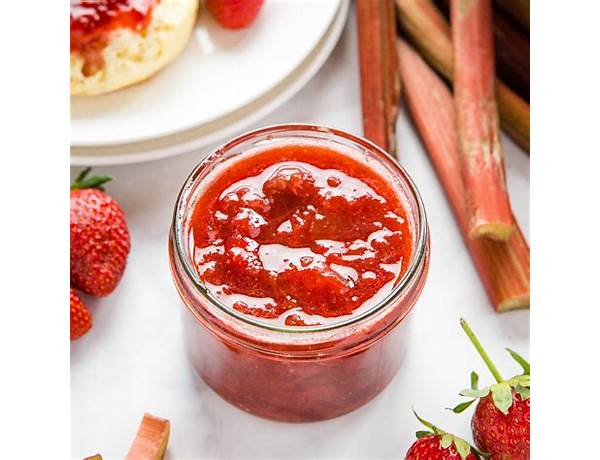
pixel 223 127
pixel 219 72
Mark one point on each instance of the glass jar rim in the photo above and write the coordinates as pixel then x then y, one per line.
pixel 417 259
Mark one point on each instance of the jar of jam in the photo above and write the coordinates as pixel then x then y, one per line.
pixel 299 252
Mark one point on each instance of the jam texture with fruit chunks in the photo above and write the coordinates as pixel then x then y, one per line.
pixel 93 20
pixel 300 235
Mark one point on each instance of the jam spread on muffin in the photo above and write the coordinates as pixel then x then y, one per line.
pixel 92 21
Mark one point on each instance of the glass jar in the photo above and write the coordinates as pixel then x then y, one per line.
pixel 302 373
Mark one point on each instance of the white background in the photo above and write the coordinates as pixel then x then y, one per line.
pixel 133 359
pixel 34 351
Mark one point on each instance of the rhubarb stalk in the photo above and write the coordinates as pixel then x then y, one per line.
pixel 503 266
pixel 379 77
pixel 428 30
pixel 512 54
pixel 511 45
pixel 151 440
pixel 482 157
pixel 517 9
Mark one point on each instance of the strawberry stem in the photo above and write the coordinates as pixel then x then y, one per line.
pixel 475 341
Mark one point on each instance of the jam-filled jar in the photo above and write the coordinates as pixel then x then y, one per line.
pixel 299 252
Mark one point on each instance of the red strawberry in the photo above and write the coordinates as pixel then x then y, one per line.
pixel 439 445
pixel 99 237
pixel 234 14
pixel 501 420
pixel 81 320
pixel 507 436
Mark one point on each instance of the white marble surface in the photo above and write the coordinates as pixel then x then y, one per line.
pixel 133 360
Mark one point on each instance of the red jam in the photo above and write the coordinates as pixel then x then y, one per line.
pixel 93 20
pixel 300 235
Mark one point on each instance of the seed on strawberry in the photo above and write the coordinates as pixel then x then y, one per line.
pixel 501 420
pixel 99 237
pixel 234 14
pixel 81 319
pixel 439 445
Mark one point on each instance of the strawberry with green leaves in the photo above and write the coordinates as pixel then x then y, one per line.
pixel 500 423
pixel 436 444
pixel 99 237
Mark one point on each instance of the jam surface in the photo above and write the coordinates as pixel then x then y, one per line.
pixel 93 20
pixel 299 235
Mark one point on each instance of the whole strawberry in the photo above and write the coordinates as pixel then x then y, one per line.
pixel 439 445
pixel 81 320
pixel 501 420
pixel 234 14
pixel 99 237
pixel 506 436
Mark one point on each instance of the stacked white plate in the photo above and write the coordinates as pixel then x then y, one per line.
pixel 223 81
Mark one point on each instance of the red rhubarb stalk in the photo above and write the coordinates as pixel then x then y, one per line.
pixel 511 45
pixel 151 440
pixel 482 157
pixel 502 266
pixel 428 30
pixel 379 78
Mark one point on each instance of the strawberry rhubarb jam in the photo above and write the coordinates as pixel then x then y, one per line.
pixel 298 251
pixel 299 235
pixel 93 20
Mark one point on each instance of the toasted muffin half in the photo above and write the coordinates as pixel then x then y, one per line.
pixel 128 55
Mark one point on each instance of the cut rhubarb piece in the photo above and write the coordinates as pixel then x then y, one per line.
pixel 151 440
pixel 482 157
pixel 429 31
pixel 503 266
pixel 379 77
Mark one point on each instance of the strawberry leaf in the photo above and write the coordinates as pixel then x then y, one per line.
pixel 426 423
pixel 474 380
pixel 462 447
pixel 523 392
pixel 519 359
pixel 92 182
pixel 460 408
pixel 83 182
pixel 471 393
pixel 83 174
pixel 422 433
pixel 523 380
pixel 446 441
pixel 502 396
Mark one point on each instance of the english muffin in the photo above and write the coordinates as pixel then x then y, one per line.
pixel 116 43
